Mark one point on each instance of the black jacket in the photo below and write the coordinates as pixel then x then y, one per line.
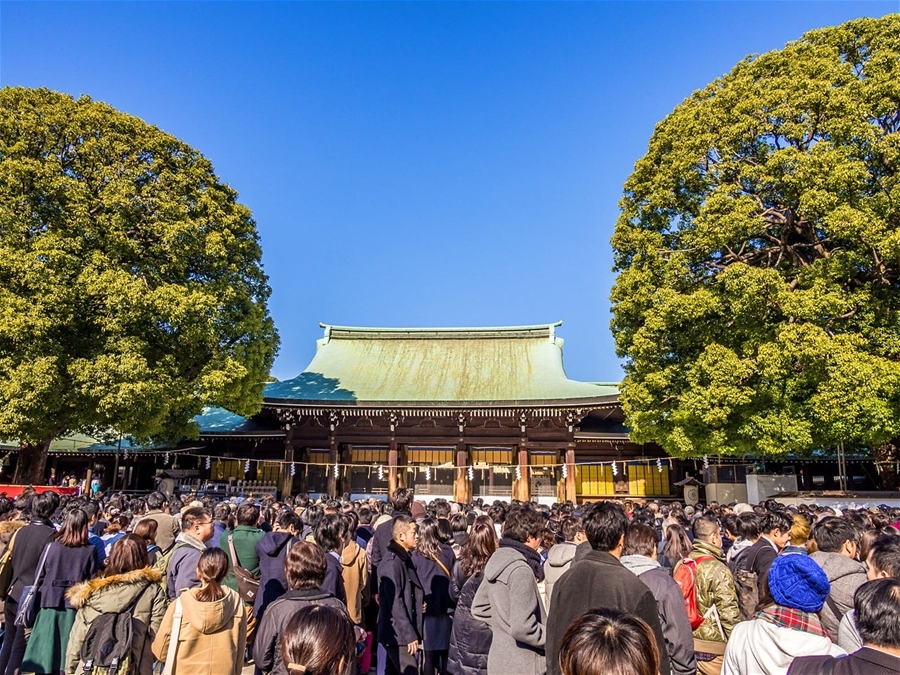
pixel 757 558
pixel 384 535
pixel 435 582
pixel 334 578
pixel 63 568
pixel 272 550
pixel 400 598
pixel 267 645
pixel 866 661
pixel 29 544
pixel 470 640
pixel 600 580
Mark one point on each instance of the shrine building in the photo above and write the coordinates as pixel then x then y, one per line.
pixel 454 412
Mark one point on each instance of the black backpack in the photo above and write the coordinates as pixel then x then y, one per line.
pixel 106 649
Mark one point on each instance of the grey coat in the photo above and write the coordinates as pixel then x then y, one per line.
pixel 559 560
pixel 845 575
pixel 673 617
pixel 508 601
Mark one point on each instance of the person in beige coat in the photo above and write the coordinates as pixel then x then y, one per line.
pixel 213 633
pixel 354 570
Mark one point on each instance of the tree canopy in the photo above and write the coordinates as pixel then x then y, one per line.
pixel 131 287
pixel 757 302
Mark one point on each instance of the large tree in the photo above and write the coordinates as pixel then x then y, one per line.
pixel 131 288
pixel 757 303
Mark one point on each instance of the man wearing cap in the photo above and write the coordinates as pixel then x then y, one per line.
pixel 786 628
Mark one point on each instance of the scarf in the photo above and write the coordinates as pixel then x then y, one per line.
pixel 794 619
pixel 532 557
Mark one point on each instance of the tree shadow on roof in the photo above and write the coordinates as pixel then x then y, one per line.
pixel 309 387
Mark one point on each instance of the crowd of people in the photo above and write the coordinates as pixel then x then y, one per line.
pixel 156 584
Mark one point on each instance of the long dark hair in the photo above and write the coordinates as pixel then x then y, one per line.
pixel 211 569
pixel 319 640
pixel 74 530
pixel 480 545
pixel 677 543
pixel 429 539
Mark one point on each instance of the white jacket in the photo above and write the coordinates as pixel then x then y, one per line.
pixel 759 647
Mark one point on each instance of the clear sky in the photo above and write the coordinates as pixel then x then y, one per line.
pixel 413 164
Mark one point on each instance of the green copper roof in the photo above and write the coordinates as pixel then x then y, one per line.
pixel 440 365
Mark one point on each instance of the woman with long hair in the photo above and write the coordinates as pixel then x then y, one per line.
pixel 608 641
pixel 676 548
pixel 146 529
pixel 470 640
pixel 211 636
pixel 69 559
pixel 127 583
pixel 319 640
pixel 434 559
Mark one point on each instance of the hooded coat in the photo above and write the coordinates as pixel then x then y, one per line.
pixel 845 575
pixel 673 617
pixel 272 550
pixel 762 648
pixel 509 601
pixel 559 560
pixel 212 638
pixel 114 594
pixel 355 572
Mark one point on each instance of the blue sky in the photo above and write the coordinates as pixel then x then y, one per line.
pixel 413 164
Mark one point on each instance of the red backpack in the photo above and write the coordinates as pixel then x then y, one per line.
pixel 686 577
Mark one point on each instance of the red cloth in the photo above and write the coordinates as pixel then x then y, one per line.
pixel 795 619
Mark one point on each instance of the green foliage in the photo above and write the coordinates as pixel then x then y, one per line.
pixel 757 303
pixel 131 288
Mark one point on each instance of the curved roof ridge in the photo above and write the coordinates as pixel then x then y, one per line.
pixel 363 332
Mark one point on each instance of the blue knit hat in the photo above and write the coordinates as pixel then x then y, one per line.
pixel 796 581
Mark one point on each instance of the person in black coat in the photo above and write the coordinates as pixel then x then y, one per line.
pixel 470 639
pixel 68 559
pixel 401 596
pixel 877 605
pixel 27 548
pixel 433 561
pixel 401 501
pixel 330 534
pixel 758 558
pixel 305 571
pixel 272 550
pixel 598 579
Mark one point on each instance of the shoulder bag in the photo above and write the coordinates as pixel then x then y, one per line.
pixel 30 604
pixel 6 568
pixel 169 667
pixel 247 583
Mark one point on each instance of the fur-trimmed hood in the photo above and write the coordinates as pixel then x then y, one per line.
pixel 126 585
pixel 10 526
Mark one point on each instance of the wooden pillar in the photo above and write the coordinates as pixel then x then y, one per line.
pixel 304 470
pixel 392 469
pixel 332 482
pixel 570 477
pixel 522 486
pixel 287 480
pixel 403 460
pixel 462 488
pixel 346 460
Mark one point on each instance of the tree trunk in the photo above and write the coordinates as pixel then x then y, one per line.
pixel 31 464
pixel 888 454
